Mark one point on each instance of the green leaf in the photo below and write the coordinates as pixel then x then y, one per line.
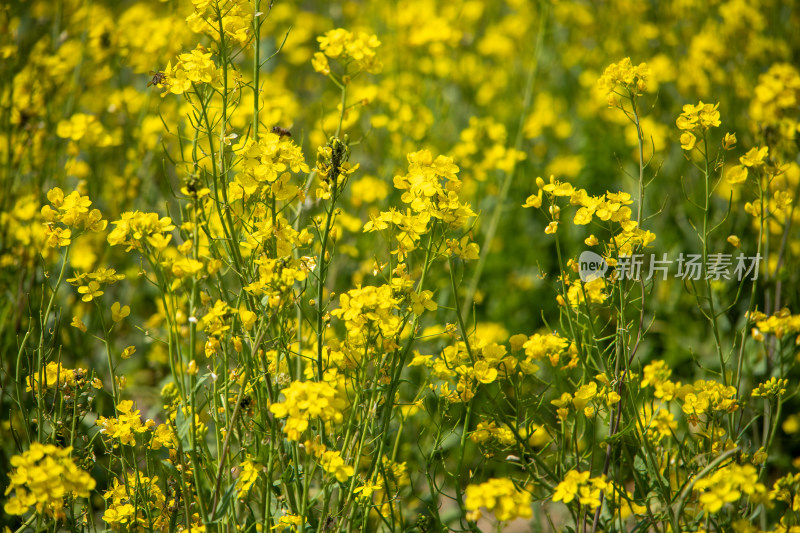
pixel 224 503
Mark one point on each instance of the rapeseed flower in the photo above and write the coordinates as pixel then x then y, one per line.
pixel 499 496
pixel 42 477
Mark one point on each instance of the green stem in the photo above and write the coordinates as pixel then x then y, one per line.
pixel 40 363
pixel 509 176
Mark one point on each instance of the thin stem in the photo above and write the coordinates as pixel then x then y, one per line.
pixel 509 176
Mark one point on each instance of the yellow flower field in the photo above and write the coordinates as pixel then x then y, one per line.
pixel 399 267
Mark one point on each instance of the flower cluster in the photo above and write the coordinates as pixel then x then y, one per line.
pixel 248 475
pixel 138 230
pixel 593 291
pixel 775 101
pixel 138 504
pixel 264 162
pixel 289 521
pixel 235 17
pixel 787 490
pixel 349 48
pixel 585 398
pixel 487 431
pixel 499 496
pixel 708 397
pixel 483 161
pixel 332 462
pixel 85 128
pixel 771 389
pixel 632 78
pixel 42 477
pixel 56 376
pixel 304 400
pixel 728 484
pixel 695 121
pixel 328 356
pixel 276 277
pixel 71 210
pixel 550 346
pixel 608 207
pixel 656 375
pixel 658 423
pixel 367 311
pixel 754 159
pixel 780 324
pixel 90 283
pixel 430 188
pixel 483 363
pixel 24 232
pixel 191 69
pixel 126 426
pixel 580 486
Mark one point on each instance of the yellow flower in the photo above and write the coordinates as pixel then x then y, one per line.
pixel 736 174
pixel 305 400
pixel 567 490
pixel 78 323
pixel 534 200
pixel 72 210
pixel 56 376
pixel 90 291
pixel 186 266
pixel 563 401
pixel 127 352
pixel 729 141
pixel 358 48
pixel 755 157
pixel 137 504
pixel 320 63
pixel 688 140
pixel 192 68
pixel 105 276
pixel 118 312
pixel 655 373
pixel 422 301
pixel 499 496
pixel 484 373
pixel 594 290
pixel 164 436
pixel 248 475
pixel 293 522
pixel 728 484
pixel 369 310
pixel 539 436
pixel 584 395
pixel 136 229
pixel 624 73
pixel 42 477
pixel 333 463
pixel 366 490
pixel 126 426
pixel 612 398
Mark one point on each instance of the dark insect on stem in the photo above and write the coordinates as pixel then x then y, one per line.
pixel 246 402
